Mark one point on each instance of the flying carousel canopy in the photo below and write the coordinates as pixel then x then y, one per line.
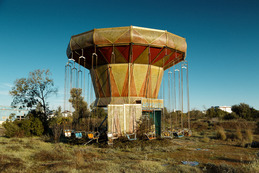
pixel 130 45
pixel 126 63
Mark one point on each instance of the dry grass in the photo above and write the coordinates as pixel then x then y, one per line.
pixel 239 134
pixel 205 139
pixel 35 155
pixel 249 135
pixel 220 133
pixel 252 167
pixel 9 163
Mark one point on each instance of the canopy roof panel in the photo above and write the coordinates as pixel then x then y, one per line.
pixel 128 44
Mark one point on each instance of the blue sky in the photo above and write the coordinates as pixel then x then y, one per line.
pixel 222 38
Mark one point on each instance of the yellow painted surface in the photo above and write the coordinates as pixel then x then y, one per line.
pixel 112 34
pixel 162 61
pixel 139 73
pixel 154 77
pixel 103 77
pixel 143 57
pixel 149 35
pixel 119 72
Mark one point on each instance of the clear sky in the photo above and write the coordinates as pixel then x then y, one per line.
pixel 222 38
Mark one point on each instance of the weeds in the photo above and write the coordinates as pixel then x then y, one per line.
pixel 205 139
pixel 161 155
pixel 8 164
pixel 239 134
pixel 55 154
pixel 252 167
pixel 249 135
pixel 210 167
pixel 220 133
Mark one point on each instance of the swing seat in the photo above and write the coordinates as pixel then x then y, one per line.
pixel 78 135
pixel 93 135
pixel 187 132
pixel 112 136
pixel 168 134
pixel 67 133
pixel 132 136
pixel 150 136
pixel 179 134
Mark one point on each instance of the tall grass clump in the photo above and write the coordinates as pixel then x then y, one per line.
pixel 249 135
pixel 239 134
pixel 220 133
pixel 205 139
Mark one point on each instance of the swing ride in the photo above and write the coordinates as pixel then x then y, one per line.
pixel 126 66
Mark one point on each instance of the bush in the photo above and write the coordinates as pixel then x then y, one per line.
pixel 230 116
pixel 215 113
pixel 220 133
pixel 206 139
pixel 196 114
pixel 200 125
pixel 25 125
pixel 257 128
pixel 20 128
pixel 36 127
pixel 11 129
pixel 239 134
pixel 245 111
pixel 249 135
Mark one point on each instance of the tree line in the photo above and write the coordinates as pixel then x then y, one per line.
pixel 239 111
pixel 32 93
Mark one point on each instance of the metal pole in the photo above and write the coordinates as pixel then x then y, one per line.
pixel 163 88
pixel 84 80
pixel 188 98
pixel 71 80
pixel 169 94
pixel 65 88
pixel 89 92
pixel 182 97
pixel 175 101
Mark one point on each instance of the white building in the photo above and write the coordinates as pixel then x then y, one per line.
pixel 224 108
pixel 6 111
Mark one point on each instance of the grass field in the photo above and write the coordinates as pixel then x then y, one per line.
pixel 213 155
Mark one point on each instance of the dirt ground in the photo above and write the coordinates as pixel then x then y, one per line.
pixel 161 155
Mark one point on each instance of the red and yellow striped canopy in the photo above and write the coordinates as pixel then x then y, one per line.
pixel 131 61
pixel 129 45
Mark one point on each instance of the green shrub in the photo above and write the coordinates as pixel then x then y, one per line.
pixel 37 127
pixel 245 111
pixel 26 127
pixel 11 129
pixel 230 116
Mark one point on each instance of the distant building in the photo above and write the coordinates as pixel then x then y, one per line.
pixel 224 108
pixel 66 113
pixel 6 111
